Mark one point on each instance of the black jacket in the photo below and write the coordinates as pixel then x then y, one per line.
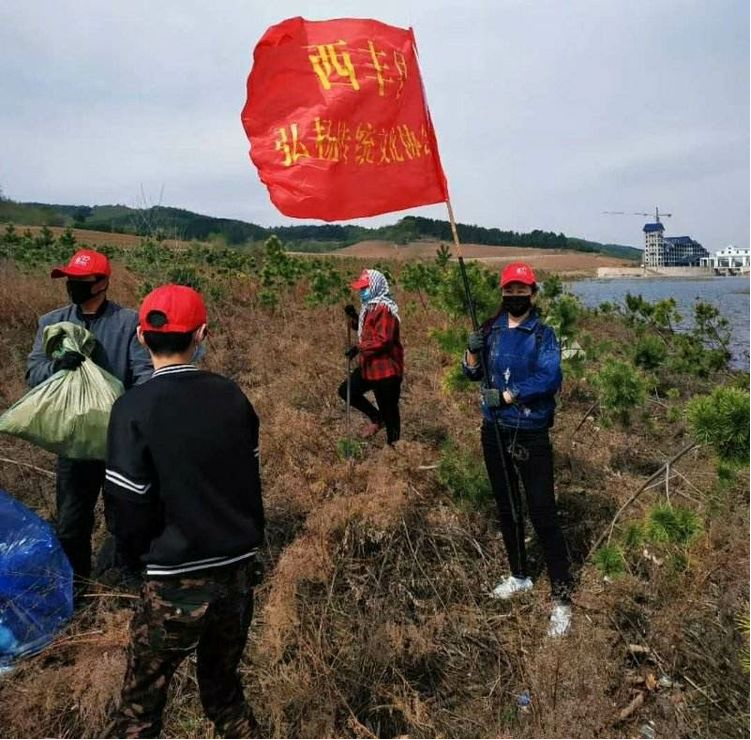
pixel 183 479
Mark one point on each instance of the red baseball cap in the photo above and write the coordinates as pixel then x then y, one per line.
pixel 83 263
pixel 362 282
pixel 172 308
pixel 518 272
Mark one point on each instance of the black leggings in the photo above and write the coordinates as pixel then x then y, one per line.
pixel 534 464
pixel 386 392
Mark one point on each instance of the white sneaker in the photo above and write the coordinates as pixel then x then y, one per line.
pixel 511 585
pixel 560 620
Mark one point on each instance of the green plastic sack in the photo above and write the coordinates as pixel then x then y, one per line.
pixel 68 413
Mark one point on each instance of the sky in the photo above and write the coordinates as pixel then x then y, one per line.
pixel 547 113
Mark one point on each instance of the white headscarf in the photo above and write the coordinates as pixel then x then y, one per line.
pixel 378 287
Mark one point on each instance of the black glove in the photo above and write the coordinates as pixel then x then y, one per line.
pixel 476 342
pixel 351 311
pixel 492 398
pixel 70 360
pixel 351 352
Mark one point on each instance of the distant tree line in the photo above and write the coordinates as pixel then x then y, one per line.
pixel 162 222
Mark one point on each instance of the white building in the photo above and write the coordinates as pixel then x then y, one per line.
pixel 731 257
pixel 654 245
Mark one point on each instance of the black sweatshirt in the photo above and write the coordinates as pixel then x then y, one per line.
pixel 183 479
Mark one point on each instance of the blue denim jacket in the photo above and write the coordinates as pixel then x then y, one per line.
pixel 526 361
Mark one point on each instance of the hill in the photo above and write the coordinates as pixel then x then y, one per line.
pixel 181 224
pixel 567 262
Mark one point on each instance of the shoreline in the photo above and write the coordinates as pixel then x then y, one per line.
pixel 683 278
pixel 673 273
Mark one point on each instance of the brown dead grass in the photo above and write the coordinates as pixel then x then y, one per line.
pixel 373 619
pixel 91 238
pixel 562 261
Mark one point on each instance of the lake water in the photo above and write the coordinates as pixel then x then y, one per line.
pixel 729 294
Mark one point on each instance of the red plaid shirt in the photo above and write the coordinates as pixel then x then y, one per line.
pixel 381 352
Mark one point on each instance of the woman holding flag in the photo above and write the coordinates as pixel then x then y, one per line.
pixel 381 356
pixel 329 141
pixel 521 357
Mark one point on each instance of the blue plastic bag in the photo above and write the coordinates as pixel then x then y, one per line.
pixel 36 582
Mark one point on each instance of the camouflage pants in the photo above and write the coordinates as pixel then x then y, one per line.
pixel 209 615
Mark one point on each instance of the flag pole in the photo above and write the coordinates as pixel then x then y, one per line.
pixel 455 233
pixel 513 491
pixel 349 386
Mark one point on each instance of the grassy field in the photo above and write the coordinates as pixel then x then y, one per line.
pixel 374 618
pixel 565 262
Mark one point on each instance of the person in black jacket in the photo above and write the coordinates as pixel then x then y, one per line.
pixel 183 481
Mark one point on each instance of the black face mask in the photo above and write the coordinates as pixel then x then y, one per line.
pixel 516 305
pixel 80 291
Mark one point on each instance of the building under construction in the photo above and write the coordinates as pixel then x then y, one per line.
pixel 666 251
pixel 670 251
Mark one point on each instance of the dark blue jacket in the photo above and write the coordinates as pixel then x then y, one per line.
pixel 526 361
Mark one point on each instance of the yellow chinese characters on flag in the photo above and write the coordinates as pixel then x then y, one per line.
pixel 337 120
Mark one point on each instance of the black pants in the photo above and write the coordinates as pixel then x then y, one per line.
pixel 533 462
pixel 78 486
pixel 386 392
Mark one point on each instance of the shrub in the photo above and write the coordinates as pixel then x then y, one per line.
pixel 442 256
pixel 483 286
pixel 552 287
pixel 186 276
pixel 67 239
pixel 454 379
pixel 464 476
pixel 650 352
pixel 721 421
pixel 563 315
pixel 327 286
pixel 609 561
pixel 621 388
pixel 634 536
pixel 349 449
pixel 452 340
pixel 673 525
pixel 417 277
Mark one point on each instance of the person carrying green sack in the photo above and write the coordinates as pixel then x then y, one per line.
pixel 116 351
pixel 68 413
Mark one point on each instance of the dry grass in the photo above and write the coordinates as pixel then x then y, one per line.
pixel 91 238
pixel 373 619
pixel 564 261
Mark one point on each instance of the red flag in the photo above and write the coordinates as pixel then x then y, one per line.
pixel 337 120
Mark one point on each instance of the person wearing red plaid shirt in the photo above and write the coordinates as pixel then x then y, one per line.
pixel 381 356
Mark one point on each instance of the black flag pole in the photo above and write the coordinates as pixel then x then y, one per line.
pixel 349 385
